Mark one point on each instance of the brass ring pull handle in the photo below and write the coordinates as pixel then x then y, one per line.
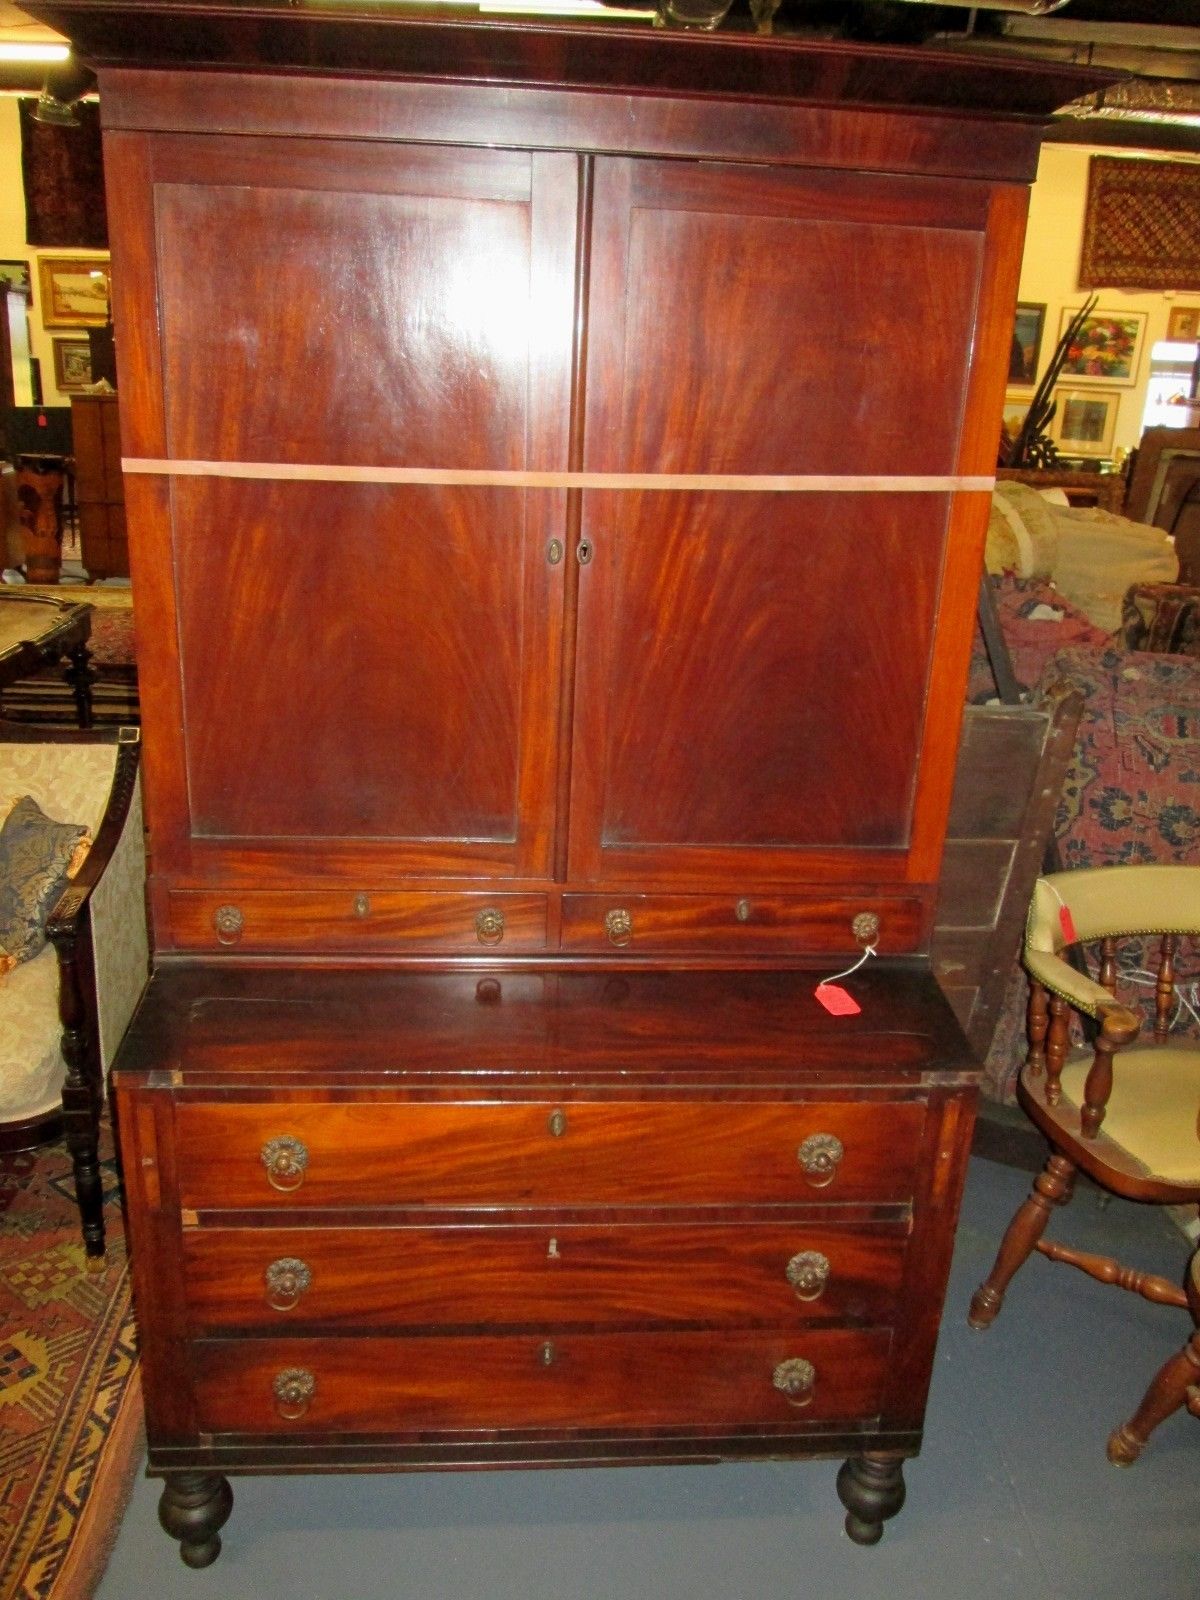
pixel 865 928
pixel 489 926
pixel 618 925
pixel 808 1273
pixel 294 1389
pixel 819 1156
pixel 285 1159
pixel 796 1379
pixel 286 1279
pixel 228 922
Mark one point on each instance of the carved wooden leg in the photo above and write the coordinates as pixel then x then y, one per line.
pixel 193 1507
pixel 1052 1187
pixel 1169 1390
pixel 82 1092
pixel 79 675
pixel 871 1487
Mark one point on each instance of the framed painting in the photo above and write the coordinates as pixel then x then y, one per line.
pixel 1183 323
pixel 1084 422
pixel 1016 406
pixel 72 364
pixel 1107 348
pixel 74 291
pixel 16 275
pixel 1026 343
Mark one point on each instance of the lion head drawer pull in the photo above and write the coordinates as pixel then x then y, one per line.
pixel 819 1156
pixel 228 922
pixel 808 1273
pixel 797 1380
pixel 285 1159
pixel 294 1388
pixel 489 926
pixel 618 925
pixel 287 1279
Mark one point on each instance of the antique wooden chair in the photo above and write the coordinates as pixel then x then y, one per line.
pixel 1128 1115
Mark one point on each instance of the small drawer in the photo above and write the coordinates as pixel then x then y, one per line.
pixel 368 922
pixel 786 1379
pixel 750 924
pixel 346 1153
pixel 709 1274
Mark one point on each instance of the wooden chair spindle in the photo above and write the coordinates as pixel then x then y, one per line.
pixel 1164 993
pixel 1037 1022
pixel 1108 965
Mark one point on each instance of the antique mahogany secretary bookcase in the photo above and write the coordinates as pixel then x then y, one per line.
pixel 557 468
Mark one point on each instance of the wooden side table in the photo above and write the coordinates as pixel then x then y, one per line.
pixel 37 630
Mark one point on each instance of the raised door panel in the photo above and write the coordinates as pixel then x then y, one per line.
pixel 364 660
pixel 756 635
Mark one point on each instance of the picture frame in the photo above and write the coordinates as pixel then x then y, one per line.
pixel 1084 421
pixel 1016 408
pixel 74 291
pixel 1107 349
pixel 16 275
pixel 1183 323
pixel 1028 328
pixel 72 364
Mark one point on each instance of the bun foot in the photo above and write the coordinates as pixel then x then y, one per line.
pixel 871 1487
pixel 192 1508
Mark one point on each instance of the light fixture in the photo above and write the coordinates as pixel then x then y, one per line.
pixel 46 53
pixel 61 93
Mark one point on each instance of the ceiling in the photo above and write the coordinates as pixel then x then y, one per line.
pixel 1156 41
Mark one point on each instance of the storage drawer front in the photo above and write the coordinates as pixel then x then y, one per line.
pixel 752 923
pixel 577 1381
pixel 577 1153
pixel 284 921
pixel 714 1274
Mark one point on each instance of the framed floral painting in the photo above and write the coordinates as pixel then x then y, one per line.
pixel 1107 348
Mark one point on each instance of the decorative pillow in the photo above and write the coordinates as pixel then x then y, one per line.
pixel 1022 537
pixel 35 856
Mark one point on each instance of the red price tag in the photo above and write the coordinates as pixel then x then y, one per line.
pixel 836 1001
pixel 1067 923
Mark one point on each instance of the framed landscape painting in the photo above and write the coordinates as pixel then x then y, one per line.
pixel 74 291
pixel 72 364
pixel 1107 347
pixel 1084 422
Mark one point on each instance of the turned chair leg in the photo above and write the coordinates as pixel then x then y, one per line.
pixel 1176 1383
pixel 1052 1187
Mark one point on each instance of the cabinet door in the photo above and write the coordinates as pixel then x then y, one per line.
pixel 363 664
pixel 755 661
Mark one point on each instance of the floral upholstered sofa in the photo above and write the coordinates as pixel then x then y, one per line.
pixel 73 939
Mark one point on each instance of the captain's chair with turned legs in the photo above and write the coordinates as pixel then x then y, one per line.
pixel 1126 1112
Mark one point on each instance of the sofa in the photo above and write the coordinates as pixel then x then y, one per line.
pixel 74 954
pixel 1083 597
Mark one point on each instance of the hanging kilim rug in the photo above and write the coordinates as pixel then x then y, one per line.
pixel 70 1399
pixel 1141 229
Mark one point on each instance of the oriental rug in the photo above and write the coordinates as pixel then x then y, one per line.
pixel 1142 225
pixel 70 1399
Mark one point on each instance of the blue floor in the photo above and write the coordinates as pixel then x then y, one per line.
pixel 1013 1495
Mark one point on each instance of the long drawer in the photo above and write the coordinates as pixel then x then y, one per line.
pixel 751 924
pixel 582 1381
pixel 712 1274
pixel 297 920
pixel 254 1154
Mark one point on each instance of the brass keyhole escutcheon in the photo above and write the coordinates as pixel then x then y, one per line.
pixel 618 925
pixel 796 1380
pixel 556 1122
pixel 285 1159
pixel 294 1389
pixel 489 926
pixel 583 552
pixel 548 1354
pixel 819 1156
pixel 286 1279
pixel 808 1273
pixel 554 552
pixel 742 911
pixel 362 905
pixel 228 922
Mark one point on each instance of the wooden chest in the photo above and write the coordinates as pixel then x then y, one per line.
pixel 557 464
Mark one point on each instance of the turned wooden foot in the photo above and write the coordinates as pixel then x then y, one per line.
pixel 871 1487
pixel 1171 1388
pixel 1052 1187
pixel 193 1507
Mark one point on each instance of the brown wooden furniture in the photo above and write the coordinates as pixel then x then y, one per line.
pixel 1124 1114
pixel 1103 489
pixel 37 630
pixel 99 486
pixel 561 507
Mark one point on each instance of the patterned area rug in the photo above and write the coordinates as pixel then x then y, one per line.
pixel 70 1396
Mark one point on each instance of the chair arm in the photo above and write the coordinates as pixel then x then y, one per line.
pixel 1118 1023
pixel 67 913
